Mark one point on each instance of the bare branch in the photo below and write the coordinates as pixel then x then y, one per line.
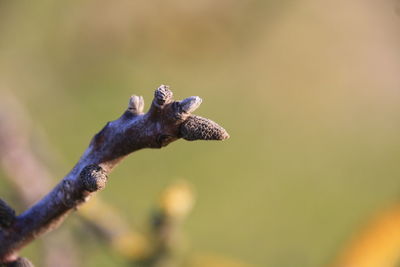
pixel 132 131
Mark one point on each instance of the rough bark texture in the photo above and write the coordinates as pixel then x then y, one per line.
pixel 166 121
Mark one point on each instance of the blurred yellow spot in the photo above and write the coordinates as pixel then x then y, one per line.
pixel 177 200
pixel 378 245
pixel 131 246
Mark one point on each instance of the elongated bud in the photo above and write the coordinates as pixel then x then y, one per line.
pixel 199 128
pixel 7 215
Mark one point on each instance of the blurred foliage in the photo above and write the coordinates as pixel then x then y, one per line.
pixel 308 90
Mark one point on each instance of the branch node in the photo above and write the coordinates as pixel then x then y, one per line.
pixel 7 215
pixel 94 178
pixel 199 128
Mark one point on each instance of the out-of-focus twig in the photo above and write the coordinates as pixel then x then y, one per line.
pixel 22 166
pixel 163 245
pixel 168 244
pixel 122 237
pixel 16 156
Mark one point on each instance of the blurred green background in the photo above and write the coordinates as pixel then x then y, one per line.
pixel 308 90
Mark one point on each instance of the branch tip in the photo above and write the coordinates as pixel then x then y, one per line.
pixel 7 215
pixel 93 177
pixel 199 128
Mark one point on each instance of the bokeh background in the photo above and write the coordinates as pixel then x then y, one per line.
pixel 309 91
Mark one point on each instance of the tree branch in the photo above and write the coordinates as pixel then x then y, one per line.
pixel 166 121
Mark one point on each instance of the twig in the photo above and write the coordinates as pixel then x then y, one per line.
pixel 166 121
